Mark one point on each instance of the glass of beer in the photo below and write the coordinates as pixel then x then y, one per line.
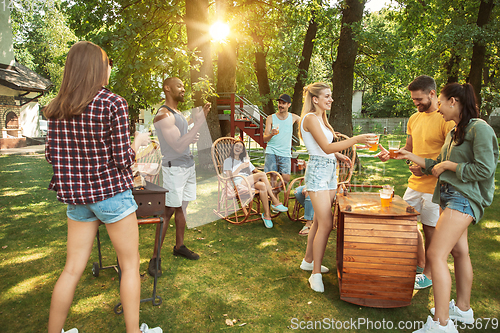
pixel 277 128
pixel 390 190
pixel 393 146
pixel 385 198
pixel 374 146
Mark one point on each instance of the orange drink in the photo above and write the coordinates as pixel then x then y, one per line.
pixel 277 128
pixel 385 198
pixel 374 146
pixel 389 190
pixel 392 153
pixel 393 146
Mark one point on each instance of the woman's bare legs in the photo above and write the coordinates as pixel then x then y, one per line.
pixel 310 239
pixel 450 234
pixel 463 272
pixel 317 238
pixel 261 187
pixel 262 177
pixel 125 237
pixel 79 246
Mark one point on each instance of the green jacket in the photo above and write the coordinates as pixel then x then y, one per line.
pixel 477 159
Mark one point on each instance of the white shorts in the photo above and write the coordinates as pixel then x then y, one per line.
pixel 180 183
pixel 422 202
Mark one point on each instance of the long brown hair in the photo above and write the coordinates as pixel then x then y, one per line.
pixel 464 93
pixel 85 73
pixel 310 91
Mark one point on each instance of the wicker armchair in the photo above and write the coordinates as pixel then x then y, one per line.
pixel 240 203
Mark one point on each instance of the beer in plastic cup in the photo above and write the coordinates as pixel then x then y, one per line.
pixel 393 146
pixel 385 198
pixel 389 189
pixel 374 146
pixel 277 128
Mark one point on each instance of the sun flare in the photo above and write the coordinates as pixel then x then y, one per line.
pixel 219 31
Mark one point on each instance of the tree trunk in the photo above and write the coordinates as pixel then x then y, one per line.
pixel 196 19
pixel 226 77
pixel 307 51
pixel 479 49
pixel 487 108
pixel 226 64
pixel 305 60
pixel 453 67
pixel 343 68
pixel 262 77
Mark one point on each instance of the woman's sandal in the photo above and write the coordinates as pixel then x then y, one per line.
pixel 304 231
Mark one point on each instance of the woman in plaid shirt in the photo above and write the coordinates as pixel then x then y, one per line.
pixel 89 148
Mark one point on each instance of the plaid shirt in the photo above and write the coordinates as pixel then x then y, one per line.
pixel 91 154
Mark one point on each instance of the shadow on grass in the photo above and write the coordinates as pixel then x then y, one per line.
pixel 247 273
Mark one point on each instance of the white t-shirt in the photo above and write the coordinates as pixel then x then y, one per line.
pixel 231 164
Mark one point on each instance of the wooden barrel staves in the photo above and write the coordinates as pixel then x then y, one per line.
pixel 376 251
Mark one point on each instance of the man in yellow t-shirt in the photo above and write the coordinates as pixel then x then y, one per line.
pixel 426 131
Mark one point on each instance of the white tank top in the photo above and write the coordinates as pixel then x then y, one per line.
pixel 312 146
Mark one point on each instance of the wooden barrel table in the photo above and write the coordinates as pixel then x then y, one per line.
pixel 376 250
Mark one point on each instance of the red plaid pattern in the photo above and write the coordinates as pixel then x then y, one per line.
pixel 91 154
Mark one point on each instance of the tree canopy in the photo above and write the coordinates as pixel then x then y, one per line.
pixel 451 40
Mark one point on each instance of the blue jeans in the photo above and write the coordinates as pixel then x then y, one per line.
pixel 305 202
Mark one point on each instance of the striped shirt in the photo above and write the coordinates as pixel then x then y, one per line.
pixel 90 154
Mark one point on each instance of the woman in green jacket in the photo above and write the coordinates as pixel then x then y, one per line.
pixel 466 171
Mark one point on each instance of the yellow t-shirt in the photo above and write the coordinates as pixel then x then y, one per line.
pixel 428 131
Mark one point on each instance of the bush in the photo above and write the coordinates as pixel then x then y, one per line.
pixel 399 129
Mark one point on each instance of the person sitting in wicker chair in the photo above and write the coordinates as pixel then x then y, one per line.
pixel 238 164
pixel 303 198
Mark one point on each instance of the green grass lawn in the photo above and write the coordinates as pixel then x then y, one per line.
pixel 247 273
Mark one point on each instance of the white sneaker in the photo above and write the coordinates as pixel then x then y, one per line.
pixel 73 330
pixel 145 329
pixel 466 317
pixel 433 326
pixel 316 282
pixel 308 266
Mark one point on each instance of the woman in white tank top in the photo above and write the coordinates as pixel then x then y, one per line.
pixel 320 177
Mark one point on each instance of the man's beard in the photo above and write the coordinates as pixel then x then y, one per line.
pixel 179 98
pixel 424 107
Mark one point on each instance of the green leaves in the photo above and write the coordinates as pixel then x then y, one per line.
pixel 41 41
pixel 147 41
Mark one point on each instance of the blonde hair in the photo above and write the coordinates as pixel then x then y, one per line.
pixel 85 73
pixel 310 91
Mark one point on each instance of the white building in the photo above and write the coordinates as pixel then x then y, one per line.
pixel 20 89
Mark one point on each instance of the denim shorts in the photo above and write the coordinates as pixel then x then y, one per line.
pixel 278 163
pixel 321 174
pixel 107 211
pixel 452 199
